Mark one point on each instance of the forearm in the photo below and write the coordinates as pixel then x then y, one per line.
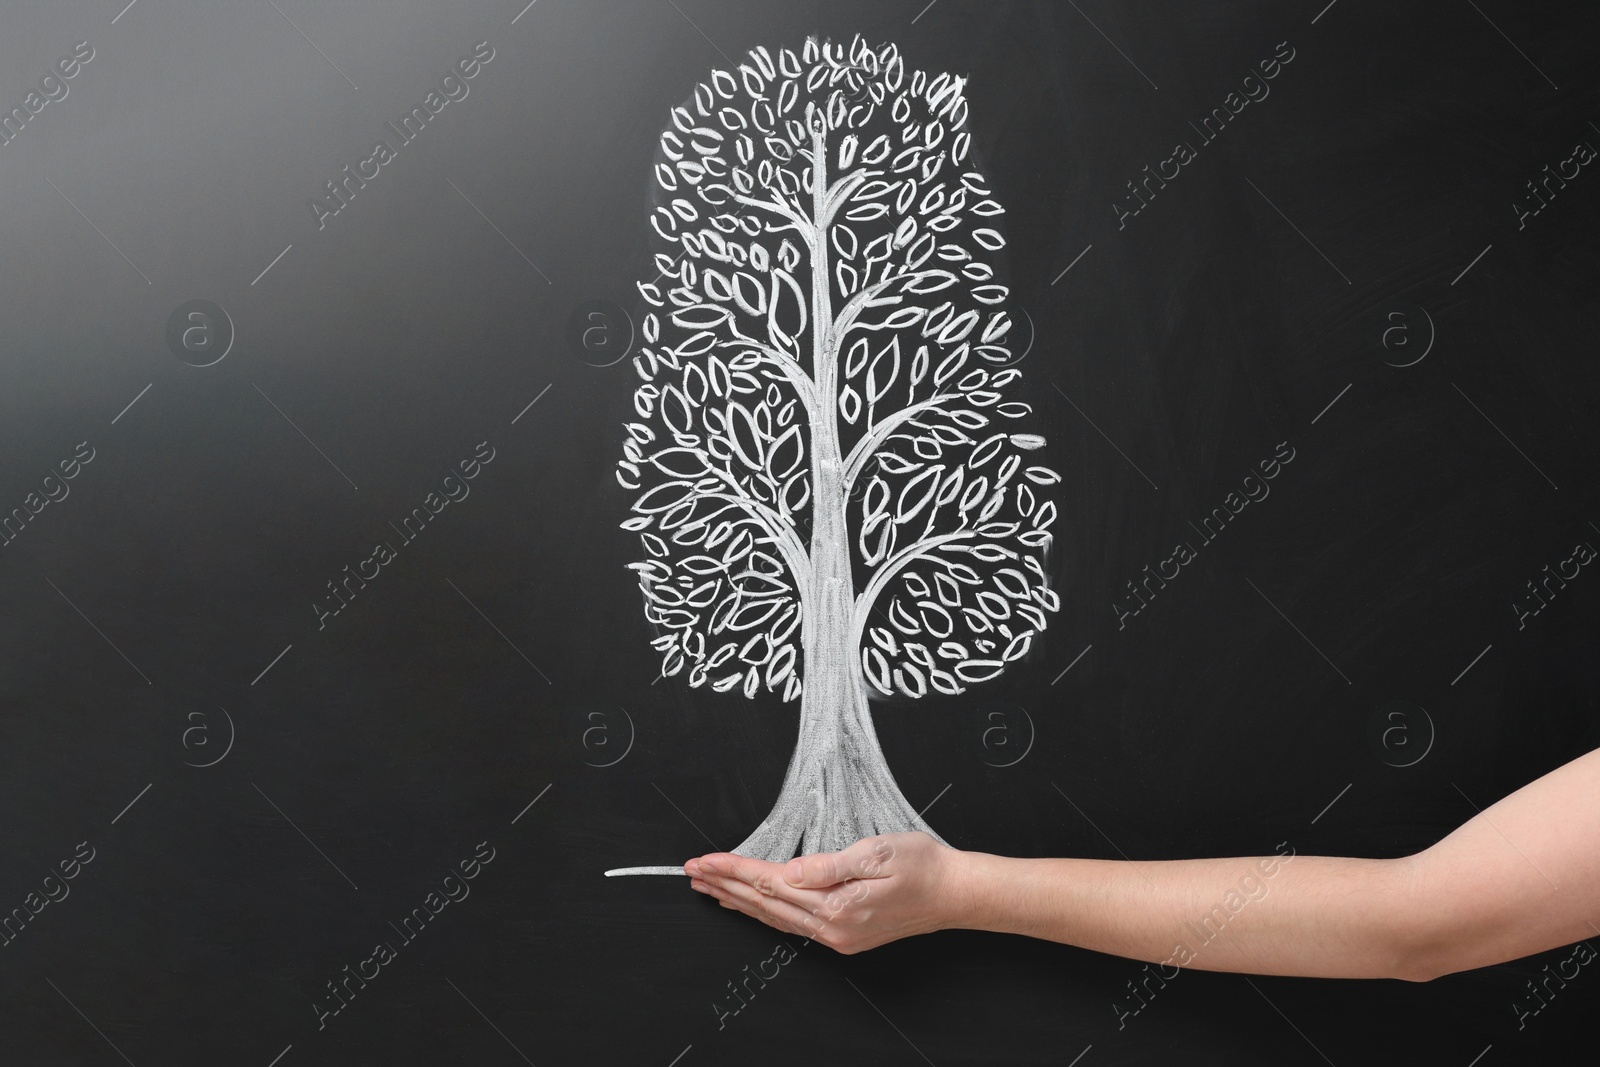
pixel 1291 915
pixel 1521 877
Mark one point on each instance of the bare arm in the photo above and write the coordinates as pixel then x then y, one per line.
pixel 1518 878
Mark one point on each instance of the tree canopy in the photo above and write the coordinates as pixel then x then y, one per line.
pixel 833 157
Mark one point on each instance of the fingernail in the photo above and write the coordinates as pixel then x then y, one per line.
pixel 792 872
pixel 699 886
pixel 692 868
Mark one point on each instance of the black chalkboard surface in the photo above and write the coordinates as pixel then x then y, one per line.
pixel 330 695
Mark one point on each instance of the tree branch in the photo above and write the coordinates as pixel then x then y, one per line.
pixel 842 191
pixel 782 536
pixel 787 364
pixel 801 224
pixel 858 303
pixel 867 297
pixel 889 569
pixel 864 448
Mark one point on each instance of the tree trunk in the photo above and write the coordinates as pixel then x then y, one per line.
pixel 838 788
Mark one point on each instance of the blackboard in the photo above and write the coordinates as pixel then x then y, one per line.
pixel 244 746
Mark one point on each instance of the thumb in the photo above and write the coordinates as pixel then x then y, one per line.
pixel 823 869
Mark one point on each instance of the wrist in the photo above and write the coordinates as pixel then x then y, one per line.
pixel 966 890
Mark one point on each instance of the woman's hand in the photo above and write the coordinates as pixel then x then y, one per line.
pixel 877 890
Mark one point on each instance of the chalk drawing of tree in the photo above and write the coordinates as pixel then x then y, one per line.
pixel 832 498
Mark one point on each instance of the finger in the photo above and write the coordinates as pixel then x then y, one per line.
pixel 761 917
pixel 692 866
pixel 720 864
pixel 775 911
pixel 707 862
pixel 759 873
pixel 860 860
pixel 764 879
